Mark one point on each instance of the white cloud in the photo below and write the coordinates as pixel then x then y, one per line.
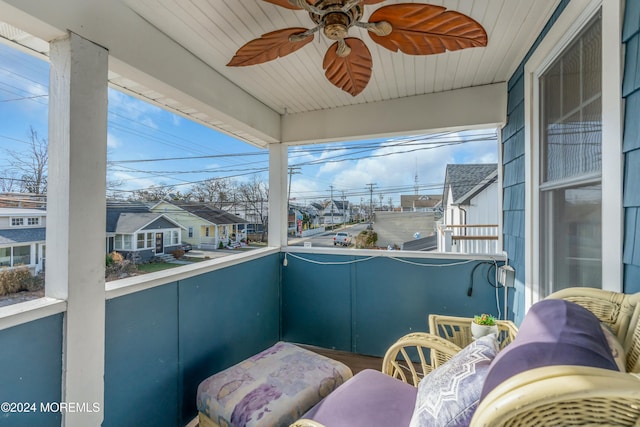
pixel 392 170
pixel 113 141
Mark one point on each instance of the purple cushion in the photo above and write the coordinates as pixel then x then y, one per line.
pixel 554 332
pixel 369 399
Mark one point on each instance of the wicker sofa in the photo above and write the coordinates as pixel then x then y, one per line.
pixel 554 395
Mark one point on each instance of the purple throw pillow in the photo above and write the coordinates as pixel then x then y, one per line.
pixel 554 332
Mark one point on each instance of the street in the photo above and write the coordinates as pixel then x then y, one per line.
pixel 325 240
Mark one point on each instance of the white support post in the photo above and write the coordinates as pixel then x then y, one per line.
pixel 76 218
pixel 278 212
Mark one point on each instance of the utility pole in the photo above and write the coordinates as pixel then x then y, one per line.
pixel 344 212
pixel 371 185
pixel 331 202
pixel 293 170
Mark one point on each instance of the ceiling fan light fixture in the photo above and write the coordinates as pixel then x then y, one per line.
pixel 336 25
pixel 411 28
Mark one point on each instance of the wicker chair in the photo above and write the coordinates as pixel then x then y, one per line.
pixel 458 329
pixel 575 395
pixel 548 396
pixel 620 311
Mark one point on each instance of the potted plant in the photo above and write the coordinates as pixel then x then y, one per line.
pixel 483 324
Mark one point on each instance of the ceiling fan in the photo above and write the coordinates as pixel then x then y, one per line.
pixel 412 28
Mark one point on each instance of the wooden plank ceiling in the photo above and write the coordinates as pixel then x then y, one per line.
pixel 214 29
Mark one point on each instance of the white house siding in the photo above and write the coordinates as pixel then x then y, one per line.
pixel 484 207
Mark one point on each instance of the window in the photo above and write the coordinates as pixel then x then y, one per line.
pixel 190 232
pixel 5 257
pixel 17 222
pixel 21 255
pixel 140 241
pixel 150 240
pixel 571 165
pixel 175 237
pixel 123 242
pixel 33 221
pixel 573 147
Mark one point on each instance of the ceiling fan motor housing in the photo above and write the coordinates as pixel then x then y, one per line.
pixel 335 21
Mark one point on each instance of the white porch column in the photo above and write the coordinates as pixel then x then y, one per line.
pixel 76 216
pixel 278 213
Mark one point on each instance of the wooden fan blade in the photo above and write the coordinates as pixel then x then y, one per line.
pixel 351 73
pixel 268 47
pixel 286 4
pixel 424 29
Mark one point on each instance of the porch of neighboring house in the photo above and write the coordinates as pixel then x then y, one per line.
pixel 137 348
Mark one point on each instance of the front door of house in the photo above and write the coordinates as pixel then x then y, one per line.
pixel 159 243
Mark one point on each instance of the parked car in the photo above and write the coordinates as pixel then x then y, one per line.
pixel 342 238
pixel 186 246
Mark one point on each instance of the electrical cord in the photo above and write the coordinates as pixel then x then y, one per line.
pixel 492 265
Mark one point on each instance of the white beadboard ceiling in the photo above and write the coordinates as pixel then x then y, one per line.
pixel 211 31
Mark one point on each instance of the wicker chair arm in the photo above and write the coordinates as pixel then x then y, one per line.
pixel 303 422
pixel 415 355
pixel 562 395
pixel 458 329
pixel 613 308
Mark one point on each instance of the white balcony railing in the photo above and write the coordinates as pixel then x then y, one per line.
pixel 468 238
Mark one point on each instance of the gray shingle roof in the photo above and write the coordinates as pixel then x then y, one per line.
pixel 115 208
pixel 214 216
pixel 463 178
pixel 22 235
pixel 134 221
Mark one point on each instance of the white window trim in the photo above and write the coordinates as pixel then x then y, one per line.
pixel 21 219
pixel 575 16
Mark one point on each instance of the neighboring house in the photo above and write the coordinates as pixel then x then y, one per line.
pixel 470 194
pixel 22 238
pixel 420 203
pixel 302 218
pixel 336 212
pixel 137 233
pixel 470 209
pixel 206 227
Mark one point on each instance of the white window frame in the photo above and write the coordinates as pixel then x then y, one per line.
pixel 33 220
pixel 572 20
pixel 17 222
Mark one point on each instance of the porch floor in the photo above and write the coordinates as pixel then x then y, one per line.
pixel 356 362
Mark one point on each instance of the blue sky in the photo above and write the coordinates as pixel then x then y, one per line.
pixel 141 131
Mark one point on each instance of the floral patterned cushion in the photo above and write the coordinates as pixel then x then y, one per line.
pixel 449 395
pixel 272 388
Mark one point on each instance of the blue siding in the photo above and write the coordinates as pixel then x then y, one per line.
pixel 141 359
pixel 367 305
pixel 31 360
pixel 631 147
pixel 514 178
pixel 162 342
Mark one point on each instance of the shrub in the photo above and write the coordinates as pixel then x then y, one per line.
pixel 178 253
pixel 119 267
pixel 220 245
pixel 14 280
pixel 116 256
pixel 366 239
